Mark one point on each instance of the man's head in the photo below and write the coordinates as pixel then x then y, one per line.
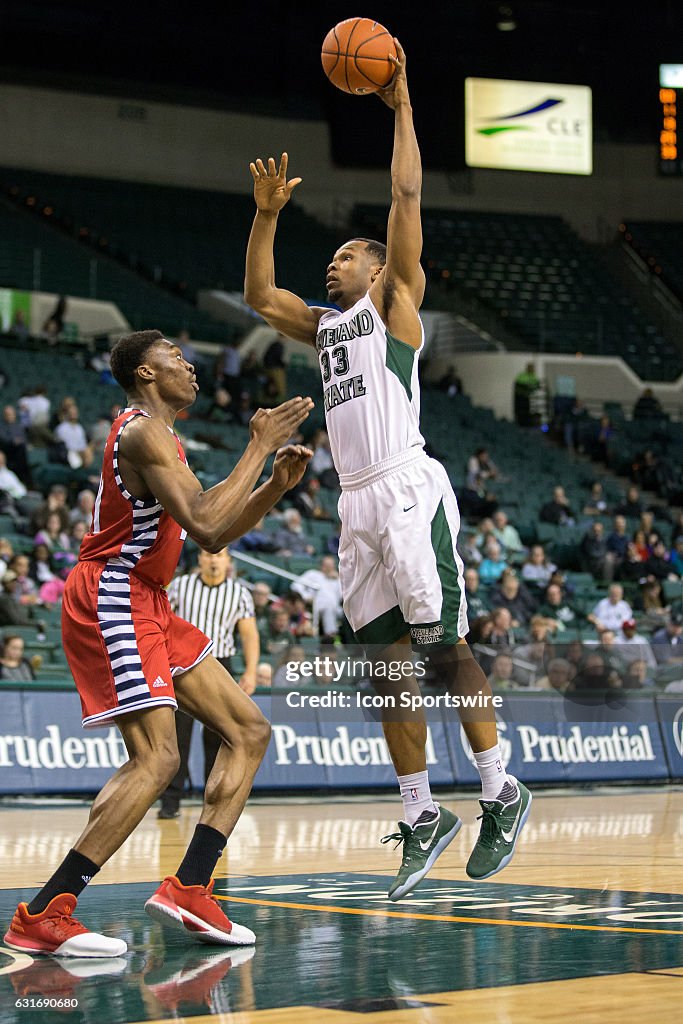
pixel 537 554
pixel 9 414
pixel 615 593
pixel 147 365
pixel 608 638
pixel 675 625
pixel 471 581
pixel 553 594
pixel 500 519
pixel 628 628
pixel 597 529
pixel 354 267
pixel 261 596
pixel 559 496
pixel 20 565
pixel 86 501
pixel 502 668
pixel 620 525
pixel 538 627
pixel 328 566
pixel 509 584
pixel 264 674
pixel 502 620
pixel 279 620
pixel 292 520
pixel 559 673
pixel 632 495
pixel 214 567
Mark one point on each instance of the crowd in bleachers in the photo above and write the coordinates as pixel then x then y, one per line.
pixel 570 585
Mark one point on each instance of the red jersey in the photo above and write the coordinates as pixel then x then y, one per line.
pixel 135 535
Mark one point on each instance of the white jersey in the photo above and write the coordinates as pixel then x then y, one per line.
pixel 371 389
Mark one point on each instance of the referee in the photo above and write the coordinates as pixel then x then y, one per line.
pixel 216 604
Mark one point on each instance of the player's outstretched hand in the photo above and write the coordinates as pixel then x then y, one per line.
pixel 290 465
pixel 397 90
pixel 272 427
pixel 271 188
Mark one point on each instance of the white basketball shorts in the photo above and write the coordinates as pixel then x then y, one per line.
pixel 399 568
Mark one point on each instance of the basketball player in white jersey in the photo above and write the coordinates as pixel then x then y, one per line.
pixel 401 576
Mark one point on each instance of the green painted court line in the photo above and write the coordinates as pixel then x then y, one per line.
pixel 449 917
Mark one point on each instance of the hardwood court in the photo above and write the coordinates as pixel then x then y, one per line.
pixel 585 924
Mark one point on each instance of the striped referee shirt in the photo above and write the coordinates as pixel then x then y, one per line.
pixel 215 610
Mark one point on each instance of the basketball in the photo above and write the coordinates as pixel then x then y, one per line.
pixel 355 56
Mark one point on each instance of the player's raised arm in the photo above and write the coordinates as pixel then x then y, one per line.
pixel 149 453
pixel 404 230
pixel 282 309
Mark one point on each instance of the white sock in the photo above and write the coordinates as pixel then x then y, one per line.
pixel 493 775
pixel 416 795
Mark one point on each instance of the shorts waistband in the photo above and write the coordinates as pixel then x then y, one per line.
pixel 370 474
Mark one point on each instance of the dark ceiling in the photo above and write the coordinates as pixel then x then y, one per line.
pixel 264 57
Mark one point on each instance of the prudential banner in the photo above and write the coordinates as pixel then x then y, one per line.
pixel 528 126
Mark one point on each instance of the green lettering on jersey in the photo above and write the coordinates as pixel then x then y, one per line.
pixel 399 359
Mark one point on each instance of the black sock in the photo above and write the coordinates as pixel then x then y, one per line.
pixel 202 855
pixel 72 876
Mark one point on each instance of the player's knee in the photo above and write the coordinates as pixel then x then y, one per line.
pixel 257 735
pixel 162 764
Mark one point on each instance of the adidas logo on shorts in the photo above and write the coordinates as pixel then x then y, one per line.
pixel 158 682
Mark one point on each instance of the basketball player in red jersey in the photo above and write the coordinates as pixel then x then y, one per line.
pixel 135 662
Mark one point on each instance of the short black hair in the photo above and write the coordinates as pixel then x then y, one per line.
pixel 377 250
pixel 128 353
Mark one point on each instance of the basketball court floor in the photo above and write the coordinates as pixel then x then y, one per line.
pixel 586 924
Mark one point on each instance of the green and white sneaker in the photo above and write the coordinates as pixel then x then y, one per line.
pixel 501 824
pixel 422 844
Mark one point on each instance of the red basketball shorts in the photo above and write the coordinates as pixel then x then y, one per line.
pixel 123 642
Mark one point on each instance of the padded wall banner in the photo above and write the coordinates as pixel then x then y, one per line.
pixel 43 748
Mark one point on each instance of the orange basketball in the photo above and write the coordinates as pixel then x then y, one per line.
pixel 355 56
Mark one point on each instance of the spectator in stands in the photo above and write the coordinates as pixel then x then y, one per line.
pixel 676 557
pixel 55 502
pixel 525 384
pixel 10 484
pixel 6 555
pixel 596 504
pixel 514 596
pixel 485 530
pixel 54 323
pixel 261 597
pixel 25 591
pixel 638 676
pixel 617 541
pixel 558 511
pixel 221 409
pixel 476 498
pixel 611 652
pixel 560 674
pixel 12 611
pixel 631 506
pixel 186 347
pixel 501 634
pixel 507 534
pixel 321 589
pixel 19 327
pixel 537 651
pixel 57 541
pixel 34 412
pixel 82 512
pixel 228 369
pixel 476 605
pixel 99 432
pixel 300 620
pixel 537 569
pixel 630 570
pixel 245 409
pixel 321 464
pixel 13 440
pixel 599 446
pixel 555 606
pixel 41 569
pixel 647 406
pixel 71 433
pixel 469 549
pixel 257 539
pixel 306 499
pixel 650 601
pixel 277 637
pixel 594 674
pixel 594 555
pixel 611 611
pixel 502 674
pixel 78 532
pixel 640 544
pixel 677 529
pixel 290 539
pixel 667 643
pixel 450 383
pixel 493 564
pixel 633 646
pixel 276 369
pixel 14 666
pixel 331 544
pixel 659 564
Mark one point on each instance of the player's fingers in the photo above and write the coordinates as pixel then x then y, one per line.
pixel 260 167
pixel 290 403
pixel 254 173
pixel 291 185
pixel 271 167
pixel 282 171
pixel 400 51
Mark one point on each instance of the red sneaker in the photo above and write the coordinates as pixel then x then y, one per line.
pixel 194 909
pixel 56 931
